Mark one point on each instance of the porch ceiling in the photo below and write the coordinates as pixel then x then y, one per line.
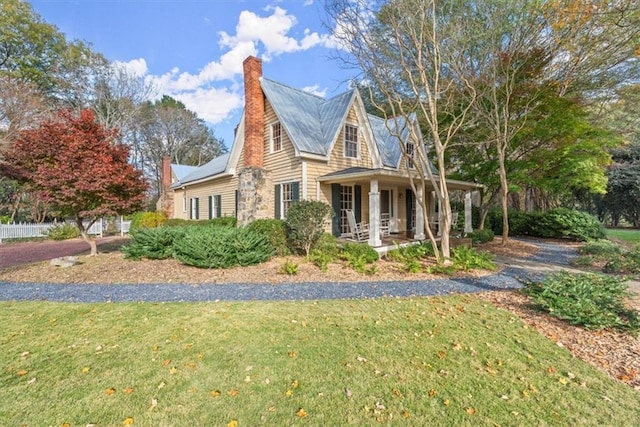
pixel 386 176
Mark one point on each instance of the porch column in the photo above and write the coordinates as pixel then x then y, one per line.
pixel 420 201
pixel 468 225
pixel 374 214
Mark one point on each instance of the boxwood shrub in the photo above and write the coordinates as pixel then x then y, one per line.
pixel 274 231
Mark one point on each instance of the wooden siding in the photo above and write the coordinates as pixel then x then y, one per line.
pixel 283 165
pixel 337 160
pixel 225 187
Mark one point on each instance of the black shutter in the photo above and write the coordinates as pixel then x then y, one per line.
pixel 277 195
pixel 357 202
pixel 336 205
pixel 218 206
pixel 210 207
pixel 409 201
pixel 236 209
pixel 191 208
pixel 295 190
pixel 197 207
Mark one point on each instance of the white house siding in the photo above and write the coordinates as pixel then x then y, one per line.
pixel 225 187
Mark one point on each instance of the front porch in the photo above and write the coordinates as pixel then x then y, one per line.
pixel 384 200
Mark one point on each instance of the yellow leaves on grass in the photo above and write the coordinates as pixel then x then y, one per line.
pixel 405 414
pixel 470 411
pixel 215 393
pixel 233 423
pixel 292 354
pixel 432 393
pixel 128 421
pixel 110 391
pixel 127 390
pixel 233 392
pixel 166 362
pixel 301 413
pixel 86 370
pixel 22 372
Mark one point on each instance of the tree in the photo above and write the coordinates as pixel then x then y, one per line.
pixel 168 128
pixel 74 165
pixel 408 51
pixel 623 191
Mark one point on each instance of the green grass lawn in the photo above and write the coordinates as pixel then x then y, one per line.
pixel 627 235
pixel 422 361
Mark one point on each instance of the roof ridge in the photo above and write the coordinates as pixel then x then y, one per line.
pixel 295 88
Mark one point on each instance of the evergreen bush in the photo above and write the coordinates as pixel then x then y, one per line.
pixel 152 243
pixel 274 231
pixel 221 247
pixel 481 236
pixel 63 231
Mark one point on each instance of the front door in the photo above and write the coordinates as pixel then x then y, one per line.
pixel 388 208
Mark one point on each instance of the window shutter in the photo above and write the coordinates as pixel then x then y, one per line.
pixel 197 208
pixel 335 204
pixel 218 206
pixel 295 189
pixel 409 201
pixel 191 208
pixel 357 202
pixel 210 207
pixel 277 195
pixel 236 202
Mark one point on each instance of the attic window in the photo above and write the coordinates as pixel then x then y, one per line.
pixel 276 137
pixel 410 155
pixel 351 141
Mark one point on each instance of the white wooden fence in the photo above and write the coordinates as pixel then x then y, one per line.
pixel 30 230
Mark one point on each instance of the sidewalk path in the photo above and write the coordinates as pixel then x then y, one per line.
pixel 552 257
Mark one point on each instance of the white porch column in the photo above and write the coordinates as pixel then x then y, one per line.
pixel 374 214
pixel 468 226
pixel 420 200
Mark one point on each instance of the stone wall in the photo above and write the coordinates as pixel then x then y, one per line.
pixel 255 195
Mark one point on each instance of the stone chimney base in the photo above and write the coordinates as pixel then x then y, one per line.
pixel 255 195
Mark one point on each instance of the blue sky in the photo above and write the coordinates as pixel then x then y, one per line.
pixel 193 49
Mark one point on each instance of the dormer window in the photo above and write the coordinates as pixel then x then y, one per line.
pixel 276 137
pixel 351 141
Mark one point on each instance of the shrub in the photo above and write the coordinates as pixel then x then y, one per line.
pixel 321 259
pixel 290 268
pixel 152 243
pixel 358 255
pixel 594 301
pixel 305 223
pixel 411 252
pixel 325 251
pixel 63 232
pixel 567 223
pixel 221 247
pixel 223 221
pixel 624 263
pixel 148 220
pixel 601 248
pixel 274 231
pixel 470 259
pixel 481 236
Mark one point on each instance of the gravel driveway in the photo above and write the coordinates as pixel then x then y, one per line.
pixel 551 257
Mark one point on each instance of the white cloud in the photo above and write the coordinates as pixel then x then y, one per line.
pixel 135 67
pixel 315 89
pixel 213 92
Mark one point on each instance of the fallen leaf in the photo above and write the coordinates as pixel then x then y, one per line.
pixel 154 402
pixel 396 392
pixel 127 390
pixel 301 413
pixel 233 392
pixel 446 402
pixel 24 354
pixel 110 391
pixel 294 384
pixel 22 372
pixel 432 393
pixel 292 354
pixel 32 381
pixel 215 393
pixel 470 411
pixel 405 414
pixel 361 359
pixel 65 425
pixel 86 370
pixel 173 370
pixel 348 392
pixel 551 370
pixel 271 409
pixel 457 347
pixel 288 393
pixel 128 421
pixel 155 348
pixel 247 379
pixel 161 385
pixel 442 354
pixel 233 423
pixel 166 362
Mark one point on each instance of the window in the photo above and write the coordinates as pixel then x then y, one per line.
pixel 276 137
pixel 195 208
pixel 285 195
pixel 215 206
pixel 351 141
pixel 346 202
pixel 410 154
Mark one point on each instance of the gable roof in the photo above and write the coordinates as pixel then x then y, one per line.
pixel 309 120
pixel 181 171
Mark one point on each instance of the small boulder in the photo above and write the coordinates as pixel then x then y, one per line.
pixel 67 261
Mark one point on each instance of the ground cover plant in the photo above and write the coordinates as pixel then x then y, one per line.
pixel 420 361
pixel 594 301
pixel 609 257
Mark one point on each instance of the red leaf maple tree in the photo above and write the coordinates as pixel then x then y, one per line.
pixel 79 168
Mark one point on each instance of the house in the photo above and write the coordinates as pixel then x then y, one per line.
pixel 292 145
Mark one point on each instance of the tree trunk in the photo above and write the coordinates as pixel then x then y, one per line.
pixel 504 192
pixel 86 237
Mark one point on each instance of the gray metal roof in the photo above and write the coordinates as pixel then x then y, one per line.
pixel 310 121
pixel 214 167
pixel 181 171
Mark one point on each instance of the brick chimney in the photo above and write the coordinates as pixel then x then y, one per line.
pixel 253 113
pixel 166 173
pixel 165 201
pixel 255 189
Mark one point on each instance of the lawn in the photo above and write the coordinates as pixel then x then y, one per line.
pixel 625 234
pixel 422 361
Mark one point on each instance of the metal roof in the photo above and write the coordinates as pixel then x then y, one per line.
pixel 214 167
pixel 181 171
